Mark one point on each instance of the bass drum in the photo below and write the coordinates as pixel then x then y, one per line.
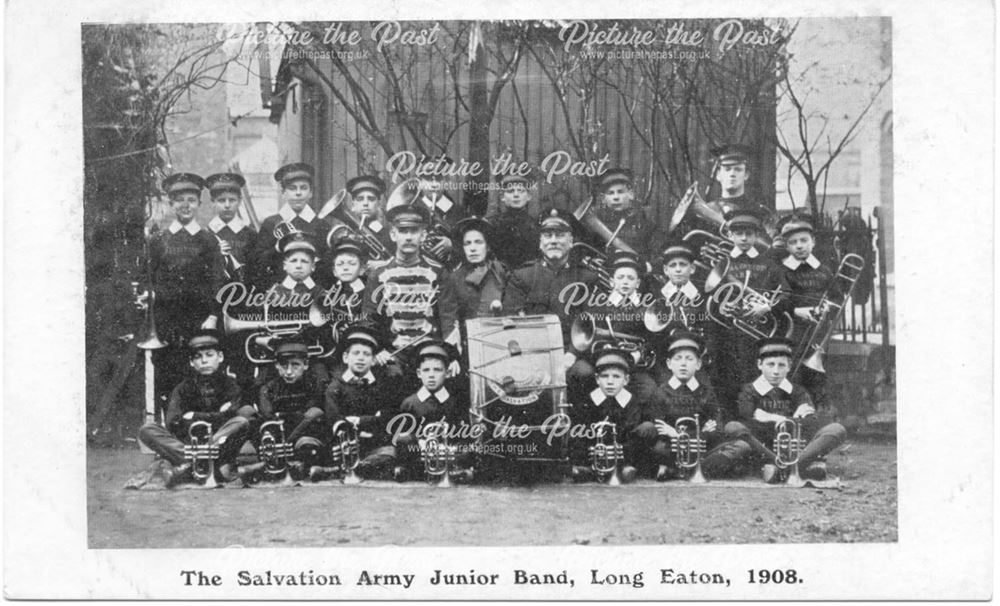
pixel 518 390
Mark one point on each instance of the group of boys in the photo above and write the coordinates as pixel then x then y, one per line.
pixel 396 347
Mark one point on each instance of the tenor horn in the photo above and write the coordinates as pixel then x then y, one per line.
pixel 607 453
pixel 346 450
pixel 584 214
pixel 275 452
pixel 202 453
pixel 816 338
pixel 689 447
pixel 788 447
pixel 437 454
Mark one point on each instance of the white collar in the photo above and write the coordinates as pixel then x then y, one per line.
pixel 192 227
pixel 348 375
pixel 443 202
pixel 792 263
pixel 216 224
pixel 307 214
pixel 290 283
pixel 623 398
pixel 357 285
pixel 615 298
pixel 689 290
pixel 764 388
pixel 737 252
pixel 692 383
pixel 441 394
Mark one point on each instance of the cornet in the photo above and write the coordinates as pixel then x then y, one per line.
pixel 607 453
pixel 689 449
pixel 346 450
pixel 437 454
pixel 152 340
pixel 202 453
pixel 275 452
pixel 788 447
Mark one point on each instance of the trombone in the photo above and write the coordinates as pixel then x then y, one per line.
pixel 606 454
pixel 689 449
pixel 788 447
pixel 829 312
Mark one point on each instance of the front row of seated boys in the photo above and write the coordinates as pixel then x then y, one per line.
pixel 390 423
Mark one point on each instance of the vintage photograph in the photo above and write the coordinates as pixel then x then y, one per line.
pixel 593 282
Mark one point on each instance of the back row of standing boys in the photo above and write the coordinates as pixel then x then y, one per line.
pixel 402 349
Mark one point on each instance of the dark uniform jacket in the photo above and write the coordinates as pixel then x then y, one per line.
pixel 187 273
pixel 624 410
pixel 444 404
pixel 678 400
pixel 344 301
pixel 204 396
pixel 805 283
pixel 279 399
pixel 535 289
pixel 477 287
pixel 781 400
pixel 406 301
pixel 369 398
pixel 266 260
pixel 515 236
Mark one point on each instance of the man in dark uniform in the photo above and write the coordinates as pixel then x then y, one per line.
pixel 187 272
pixel 515 229
pixel 365 208
pixel 296 193
pixel 618 212
pixel 555 284
pixel 732 162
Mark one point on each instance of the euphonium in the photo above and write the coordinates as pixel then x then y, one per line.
pixel 275 452
pixel 585 215
pixel 202 453
pixel 788 447
pixel 719 282
pixel 712 249
pixel 810 353
pixel 346 450
pixel 437 454
pixel 607 454
pixel 688 448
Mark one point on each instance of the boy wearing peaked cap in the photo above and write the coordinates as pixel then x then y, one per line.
pixel 235 236
pixel 208 395
pixel 772 399
pixel 618 212
pixel 297 189
pixel 344 299
pixel 437 400
pixel 516 229
pixel 365 205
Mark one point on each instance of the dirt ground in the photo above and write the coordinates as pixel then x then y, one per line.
pixel 864 509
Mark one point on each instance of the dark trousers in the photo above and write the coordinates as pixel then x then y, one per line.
pixel 229 436
pixel 821 437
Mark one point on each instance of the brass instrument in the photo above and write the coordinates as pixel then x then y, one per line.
pixel 788 447
pixel 660 316
pixel 346 450
pixel 357 229
pixel 769 325
pixel 151 340
pixel 335 202
pixel 282 229
pixel 585 215
pixel 595 261
pixel 275 452
pixel 810 354
pixel 408 192
pixel 693 206
pixel 437 454
pixel 267 331
pixel 202 453
pixel 689 449
pixel 233 268
pixel 713 249
pixel 585 336
pixel 607 453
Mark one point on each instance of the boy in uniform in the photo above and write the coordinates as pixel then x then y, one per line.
pixel 516 231
pixel 187 272
pixel 618 210
pixel 209 395
pixel 345 297
pixel 679 304
pixel 433 402
pixel 296 194
pixel 296 398
pixel 771 399
pixel 360 394
pixel 366 193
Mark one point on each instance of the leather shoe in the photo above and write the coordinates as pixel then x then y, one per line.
pixel 628 474
pixel 177 475
pixel 770 474
pixel 667 473
pixel 815 471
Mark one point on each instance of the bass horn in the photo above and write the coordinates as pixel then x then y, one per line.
pixel 408 192
pixel 693 206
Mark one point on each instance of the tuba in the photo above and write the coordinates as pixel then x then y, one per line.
pixel 689 449
pixel 607 453
pixel 202 453
pixel 788 447
pixel 585 336
pixel 346 450
pixel 769 325
pixel 275 452
pixel 814 342
pixel 437 454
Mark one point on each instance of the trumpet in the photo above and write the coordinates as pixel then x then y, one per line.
pixel 788 447
pixel 607 453
pixel 689 449
pixel 816 338
pixel 768 325
pixel 346 450
pixel 275 452
pixel 437 454
pixel 585 336
pixel 202 453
